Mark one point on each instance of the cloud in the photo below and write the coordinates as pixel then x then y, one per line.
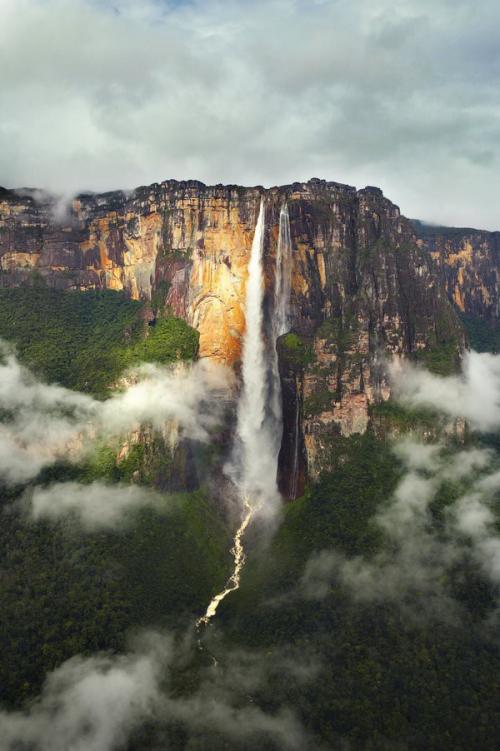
pixel 477 522
pixel 474 395
pixel 414 565
pixel 189 394
pixel 362 92
pixel 95 703
pixel 96 506
pixel 44 422
pixel 38 420
pixel 89 703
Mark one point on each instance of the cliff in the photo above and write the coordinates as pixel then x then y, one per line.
pixel 362 284
pixel 185 242
pixel 467 263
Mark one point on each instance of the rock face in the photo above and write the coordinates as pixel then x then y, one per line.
pixel 467 262
pixel 362 284
pixel 361 287
pixel 188 242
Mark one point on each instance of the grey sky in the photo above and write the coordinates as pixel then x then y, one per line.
pixel 404 95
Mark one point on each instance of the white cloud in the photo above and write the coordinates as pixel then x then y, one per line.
pixel 95 505
pixel 402 96
pixel 474 395
pixel 43 422
pixel 414 564
pixel 89 703
pixel 473 518
pixel 95 703
pixel 185 393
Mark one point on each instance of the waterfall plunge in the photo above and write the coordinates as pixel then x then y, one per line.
pixel 255 449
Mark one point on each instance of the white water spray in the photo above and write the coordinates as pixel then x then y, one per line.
pixel 254 454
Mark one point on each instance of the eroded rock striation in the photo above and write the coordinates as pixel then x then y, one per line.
pixel 365 281
pixel 467 262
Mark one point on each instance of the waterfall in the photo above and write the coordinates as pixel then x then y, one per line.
pixel 259 416
pixel 255 434
pixel 253 466
pixel 283 278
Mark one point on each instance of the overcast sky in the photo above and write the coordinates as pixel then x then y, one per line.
pixel 403 94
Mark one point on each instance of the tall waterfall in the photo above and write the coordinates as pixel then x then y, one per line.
pixel 255 434
pixel 254 457
pixel 283 278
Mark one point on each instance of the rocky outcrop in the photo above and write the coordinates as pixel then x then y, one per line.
pixel 467 263
pixel 361 285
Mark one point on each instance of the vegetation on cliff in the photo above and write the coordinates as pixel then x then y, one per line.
pixel 84 340
pixel 392 418
pixel 296 351
pixel 170 339
pixel 483 336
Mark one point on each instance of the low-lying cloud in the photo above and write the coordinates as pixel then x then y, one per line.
pixel 98 702
pixel 95 506
pixel 89 703
pixel 41 422
pixel 474 394
pixel 415 562
pixel 417 557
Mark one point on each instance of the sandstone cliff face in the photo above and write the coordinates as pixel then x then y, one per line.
pixel 361 285
pixel 361 288
pixel 467 262
pixel 190 242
